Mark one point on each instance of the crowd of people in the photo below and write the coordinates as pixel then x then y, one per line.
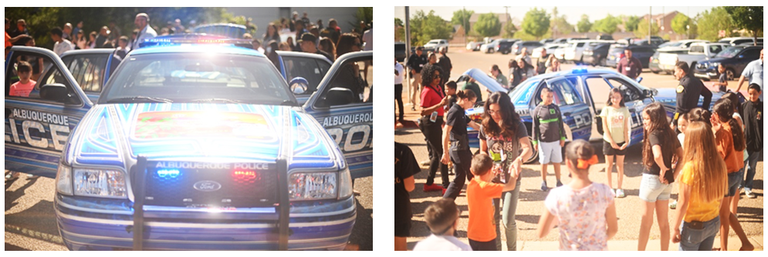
pixel 705 151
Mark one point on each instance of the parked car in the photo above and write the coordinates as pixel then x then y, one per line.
pixel 435 44
pixel 550 48
pixel 740 40
pixel 474 46
pixel 696 53
pixel 734 58
pixel 684 44
pixel 654 64
pixel 642 53
pixel 604 37
pixel 546 41
pixel 575 49
pixel 518 46
pixel 233 144
pixel 596 54
pixel 489 47
pixel 504 46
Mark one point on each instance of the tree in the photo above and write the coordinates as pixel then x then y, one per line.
pixel 711 22
pixel 425 27
pixel 509 29
pixel 461 17
pixel 488 25
pixel 607 25
pixel 631 23
pixel 642 29
pixel 559 24
pixel 399 30
pixel 536 22
pixel 747 17
pixel 364 14
pixel 584 25
pixel 681 24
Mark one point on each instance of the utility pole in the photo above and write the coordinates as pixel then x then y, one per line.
pixel 506 11
pixel 408 49
pixel 650 23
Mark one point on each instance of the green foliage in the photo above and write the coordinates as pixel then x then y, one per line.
pixel 509 30
pixel 364 14
pixel 680 24
pixel 461 17
pixel 747 17
pixel 425 27
pixel 642 29
pixel 560 26
pixel 488 25
pixel 711 22
pixel 522 35
pixel 631 23
pixel 536 22
pixel 584 25
pixel 399 30
pixel 606 25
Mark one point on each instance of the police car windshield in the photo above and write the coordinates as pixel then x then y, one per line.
pixel 195 78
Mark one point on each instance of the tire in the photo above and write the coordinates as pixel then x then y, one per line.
pixel 655 71
pixel 730 74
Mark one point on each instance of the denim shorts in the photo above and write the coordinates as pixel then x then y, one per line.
pixel 651 189
pixel 700 238
pixel 734 181
pixel 550 152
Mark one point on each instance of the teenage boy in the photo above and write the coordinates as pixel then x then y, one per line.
pixel 549 135
pixel 752 113
pixel 443 219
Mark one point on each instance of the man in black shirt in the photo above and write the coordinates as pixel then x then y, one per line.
pixel 688 91
pixel 414 64
pixel 445 63
pixel 307 44
pixel 21 29
pixel 405 167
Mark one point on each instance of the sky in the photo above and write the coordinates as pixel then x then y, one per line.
pixel 572 13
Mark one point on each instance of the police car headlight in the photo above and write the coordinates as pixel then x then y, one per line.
pixel 99 183
pixel 319 185
pixel 64 180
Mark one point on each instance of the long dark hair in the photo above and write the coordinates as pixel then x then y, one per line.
pixel 509 118
pixel 734 101
pixel 698 114
pixel 346 41
pixel 466 94
pixel 613 91
pixel 724 108
pixel 658 123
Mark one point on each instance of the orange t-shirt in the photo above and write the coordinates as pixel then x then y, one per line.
pixel 724 142
pixel 7 40
pixel 480 196
pixel 19 89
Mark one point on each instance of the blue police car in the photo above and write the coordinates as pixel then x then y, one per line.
pixel 193 147
pixel 580 93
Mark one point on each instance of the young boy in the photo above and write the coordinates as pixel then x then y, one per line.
pixel 481 230
pixel 722 82
pixel 549 135
pixel 442 218
pixel 450 92
pixel 25 85
pixel 752 113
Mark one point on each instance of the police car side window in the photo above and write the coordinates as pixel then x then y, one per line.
pixel 567 92
pixel 350 85
pixel 88 72
pixel 630 92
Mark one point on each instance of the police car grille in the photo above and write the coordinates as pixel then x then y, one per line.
pixel 212 188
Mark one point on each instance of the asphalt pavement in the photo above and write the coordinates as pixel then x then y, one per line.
pixel 530 205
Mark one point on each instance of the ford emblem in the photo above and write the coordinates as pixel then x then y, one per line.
pixel 207 186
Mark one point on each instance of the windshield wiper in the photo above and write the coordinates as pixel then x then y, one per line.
pixel 214 99
pixel 140 99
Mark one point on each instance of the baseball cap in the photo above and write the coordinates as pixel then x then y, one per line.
pixel 307 37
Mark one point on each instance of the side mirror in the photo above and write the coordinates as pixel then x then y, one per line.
pixel 639 79
pixel 650 92
pixel 54 92
pixel 338 96
pixel 741 56
pixel 298 85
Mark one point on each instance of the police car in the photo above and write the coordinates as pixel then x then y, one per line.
pixel 573 93
pixel 193 147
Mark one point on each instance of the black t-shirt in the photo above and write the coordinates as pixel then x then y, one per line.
pixel 752 113
pixel 667 150
pixel 504 149
pixel 517 75
pixel 722 80
pixel 416 62
pixel 405 167
pixel 688 92
pixel 458 119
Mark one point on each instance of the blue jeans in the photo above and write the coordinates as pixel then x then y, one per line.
pixel 699 239
pixel 507 218
pixel 750 164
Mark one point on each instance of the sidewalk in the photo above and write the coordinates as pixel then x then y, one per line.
pixel 631 245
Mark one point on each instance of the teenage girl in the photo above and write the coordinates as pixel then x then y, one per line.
pixel 729 139
pixel 702 181
pixel 585 210
pixel 455 134
pixel 616 136
pixel 659 148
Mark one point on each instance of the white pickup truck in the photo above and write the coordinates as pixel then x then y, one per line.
pixel 697 53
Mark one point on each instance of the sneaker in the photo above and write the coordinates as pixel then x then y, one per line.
pixel 673 204
pixel 559 183
pixel 620 193
pixel 424 163
pixel 413 108
pixel 544 186
pixel 433 187
pixel 749 193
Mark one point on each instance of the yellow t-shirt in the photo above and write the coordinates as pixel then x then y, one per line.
pixel 697 209
pixel 480 196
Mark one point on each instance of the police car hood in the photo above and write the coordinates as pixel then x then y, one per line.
pixel 110 134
